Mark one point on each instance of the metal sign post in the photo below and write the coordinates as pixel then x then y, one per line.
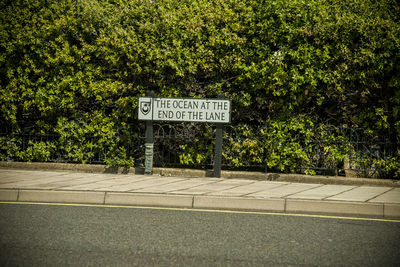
pixel 218 147
pixel 149 148
pixel 216 111
pixel 218 151
pixel 145 108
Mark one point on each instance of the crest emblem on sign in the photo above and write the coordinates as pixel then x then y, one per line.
pixel 145 107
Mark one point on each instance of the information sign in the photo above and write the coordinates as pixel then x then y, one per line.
pixel 185 109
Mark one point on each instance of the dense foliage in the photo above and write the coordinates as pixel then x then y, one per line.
pixel 75 68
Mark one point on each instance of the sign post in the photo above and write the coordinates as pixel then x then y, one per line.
pixel 216 111
pixel 149 143
pixel 218 147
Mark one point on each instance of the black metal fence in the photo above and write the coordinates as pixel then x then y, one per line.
pixel 191 145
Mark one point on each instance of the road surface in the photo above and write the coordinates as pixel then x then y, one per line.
pixel 66 235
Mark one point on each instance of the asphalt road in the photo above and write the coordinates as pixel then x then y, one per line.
pixel 48 235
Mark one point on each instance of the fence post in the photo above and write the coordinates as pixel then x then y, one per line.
pixel 218 147
pixel 149 144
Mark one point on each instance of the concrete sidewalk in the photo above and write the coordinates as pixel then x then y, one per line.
pixel 201 193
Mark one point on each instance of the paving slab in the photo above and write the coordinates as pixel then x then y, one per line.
pixel 36 182
pixel 16 174
pixel 213 187
pixel 113 182
pixel 361 194
pixel 84 187
pixel 181 185
pixel 139 183
pixel 30 174
pixel 247 189
pixel 76 175
pixel 60 182
pixel 322 192
pixel 22 184
pixel 87 180
pixel 391 196
pixel 21 179
pixel 91 178
pixel 39 181
pixel 49 186
pixel 284 190
pixel 9 180
pixel 97 183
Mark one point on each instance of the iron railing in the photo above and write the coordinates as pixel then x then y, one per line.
pixel 191 145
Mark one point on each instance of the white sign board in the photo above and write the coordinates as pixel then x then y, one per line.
pixel 185 109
